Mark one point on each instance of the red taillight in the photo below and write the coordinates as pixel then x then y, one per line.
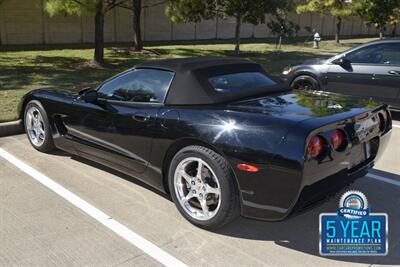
pixel 247 167
pixel 316 147
pixel 337 139
pixel 382 122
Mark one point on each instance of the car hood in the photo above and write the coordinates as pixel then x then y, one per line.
pixel 298 106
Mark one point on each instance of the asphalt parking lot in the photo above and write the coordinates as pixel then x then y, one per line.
pixel 39 227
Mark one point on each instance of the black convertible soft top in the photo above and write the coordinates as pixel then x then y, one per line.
pixel 190 85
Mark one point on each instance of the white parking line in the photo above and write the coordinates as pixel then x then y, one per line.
pixel 118 228
pixel 383 179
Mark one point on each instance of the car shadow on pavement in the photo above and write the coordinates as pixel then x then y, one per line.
pixel 396 115
pixel 300 231
pixel 116 173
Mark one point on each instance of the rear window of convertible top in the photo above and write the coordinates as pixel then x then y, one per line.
pixel 240 81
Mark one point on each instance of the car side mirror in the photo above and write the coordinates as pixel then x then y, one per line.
pixel 81 92
pixel 90 96
pixel 342 61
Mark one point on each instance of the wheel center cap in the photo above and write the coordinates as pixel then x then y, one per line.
pixel 198 185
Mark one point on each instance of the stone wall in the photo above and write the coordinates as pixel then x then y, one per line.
pixel 25 22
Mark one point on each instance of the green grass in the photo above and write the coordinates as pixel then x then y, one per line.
pixel 56 67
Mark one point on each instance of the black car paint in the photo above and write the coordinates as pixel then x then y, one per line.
pixel 270 132
pixel 370 81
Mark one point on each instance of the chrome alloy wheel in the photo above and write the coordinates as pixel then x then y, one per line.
pixel 197 188
pixel 35 126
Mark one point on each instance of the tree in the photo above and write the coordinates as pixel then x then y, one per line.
pixel 86 7
pixel 137 34
pixel 1 2
pixel 377 12
pixel 394 21
pixel 136 6
pixel 340 9
pixel 281 26
pixel 243 11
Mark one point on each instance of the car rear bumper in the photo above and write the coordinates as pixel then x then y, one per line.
pixel 311 194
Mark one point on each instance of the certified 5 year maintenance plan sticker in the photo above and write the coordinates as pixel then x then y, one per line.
pixel 353 230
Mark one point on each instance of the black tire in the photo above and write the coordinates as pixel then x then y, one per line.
pixel 305 83
pixel 229 207
pixel 48 144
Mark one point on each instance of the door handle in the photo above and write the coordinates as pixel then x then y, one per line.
pixel 394 72
pixel 374 77
pixel 141 116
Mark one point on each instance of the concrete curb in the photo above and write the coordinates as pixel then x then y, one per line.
pixel 11 128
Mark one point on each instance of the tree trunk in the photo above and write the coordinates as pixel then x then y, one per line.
pixel 278 44
pixel 137 35
pixel 237 34
pixel 394 28
pixel 99 33
pixel 381 30
pixel 338 29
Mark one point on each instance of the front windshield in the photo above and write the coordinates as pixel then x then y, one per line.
pixel 234 82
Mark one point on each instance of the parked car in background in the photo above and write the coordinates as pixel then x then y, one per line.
pixel 217 134
pixel 371 71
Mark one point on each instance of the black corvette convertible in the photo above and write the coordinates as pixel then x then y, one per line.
pixel 217 134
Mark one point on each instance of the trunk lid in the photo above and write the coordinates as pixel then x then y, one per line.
pixel 299 106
